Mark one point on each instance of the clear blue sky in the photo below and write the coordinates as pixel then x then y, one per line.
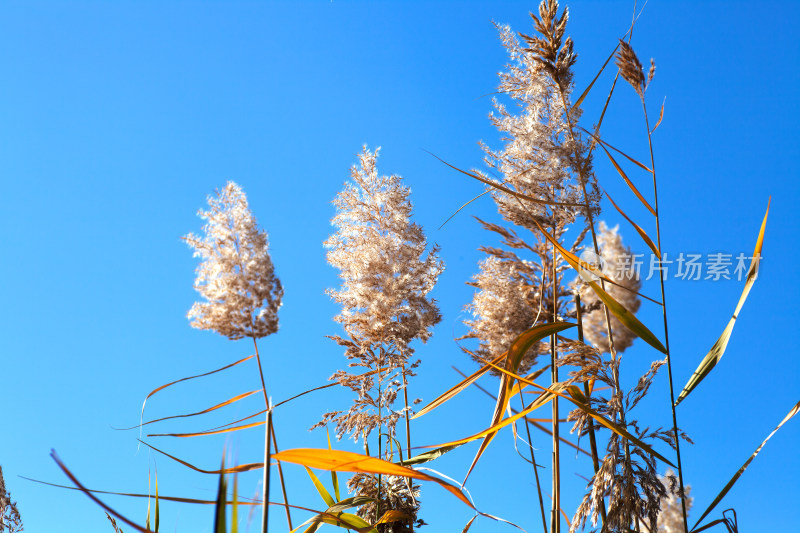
pixel 117 119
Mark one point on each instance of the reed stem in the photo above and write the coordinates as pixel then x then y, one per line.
pixel 664 314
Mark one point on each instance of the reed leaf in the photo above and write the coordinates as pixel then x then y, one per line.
pixel 627 318
pixel 741 470
pixel 515 354
pixel 630 184
pixel 239 468
pixel 204 433
pixel 394 515
pixel 620 152
pixel 341 461
pixel 636 226
pixel 320 488
pixel 718 350
pixel 220 524
pixel 83 489
pixel 456 389
pixel 585 92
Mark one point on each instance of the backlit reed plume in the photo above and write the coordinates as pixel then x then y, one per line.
pixel 387 273
pixel 10 520
pixel 236 276
pixel 619 266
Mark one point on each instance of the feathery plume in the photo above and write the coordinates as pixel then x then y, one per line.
pixel 386 276
pixel 236 276
pixel 618 266
pixel 630 68
pixel 10 520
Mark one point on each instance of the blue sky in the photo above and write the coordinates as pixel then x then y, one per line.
pixel 119 118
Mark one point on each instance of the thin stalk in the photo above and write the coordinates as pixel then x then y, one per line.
pixel 267 452
pixel 587 392
pixel 555 519
pixel 380 425
pixel 408 433
pixel 533 461
pixel 280 476
pixel 664 313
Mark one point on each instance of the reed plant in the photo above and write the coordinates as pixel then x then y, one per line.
pixel 554 309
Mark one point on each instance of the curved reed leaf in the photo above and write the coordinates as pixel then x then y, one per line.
pixel 323 492
pixel 456 389
pixel 620 152
pixel 204 411
pixel 204 433
pixel 83 489
pixel 627 318
pixel 354 462
pixel 630 184
pixel 718 350
pixel 741 470
pixel 220 524
pixel 239 468
pixel 585 92
pixel 518 348
pixel 506 189
pixel 393 515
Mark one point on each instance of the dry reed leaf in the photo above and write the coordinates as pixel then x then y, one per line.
pixel 518 349
pixel 718 350
pixel 204 433
pixel 233 470
pixel 620 152
pixel 741 470
pixel 636 226
pixel 506 189
pixel 83 489
pixel 628 181
pixel 204 411
pixel 456 389
pixel 354 462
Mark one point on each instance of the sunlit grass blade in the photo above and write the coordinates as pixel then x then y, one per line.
pixel 505 189
pixel 453 391
pixel 487 191
pixel 393 515
pixel 428 456
pixel 627 318
pixel 342 520
pixel 204 411
pixel 220 524
pixel 323 492
pixel 158 510
pixel 205 433
pixel 94 498
pixel 718 350
pixel 636 226
pixel 741 470
pixel 334 476
pixel 235 507
pixel 353 462
pixel 238 468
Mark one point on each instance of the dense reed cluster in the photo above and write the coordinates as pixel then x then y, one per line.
pixel 554 308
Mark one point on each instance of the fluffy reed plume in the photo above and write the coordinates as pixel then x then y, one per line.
pixel 10 520
pixel 386 276
pixel 514 294
pixel 396 493
pixel 236 276
pixel 618 266
pixel 670 517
